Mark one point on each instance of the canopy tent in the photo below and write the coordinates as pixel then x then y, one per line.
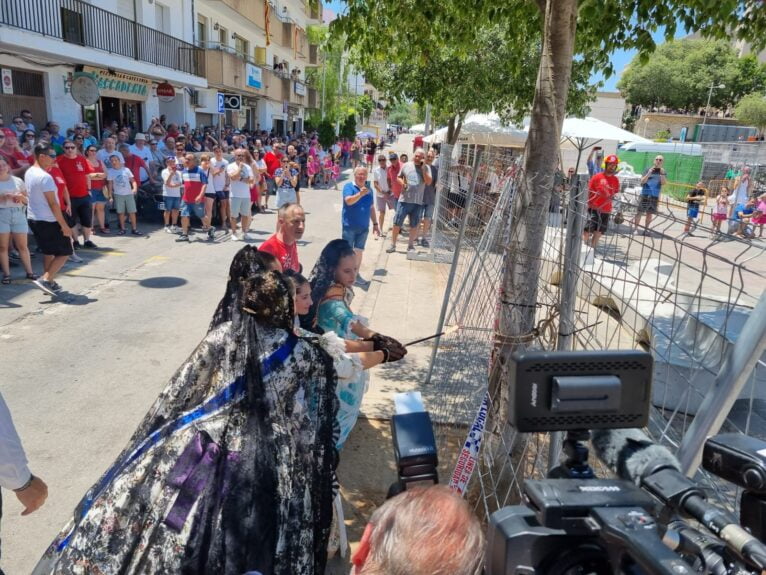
pixel 418 128
pixel 485 129
pixel 583 133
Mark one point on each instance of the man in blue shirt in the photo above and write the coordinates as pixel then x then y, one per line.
pixel 358 212
pixel 741 217
pixel 651 188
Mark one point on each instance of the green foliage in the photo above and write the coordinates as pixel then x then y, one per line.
pixel 663 136
pixel 751 110
pixel 403 114
pixel 679 75
pixel 348 128
pixel 326 134
pixel 365 105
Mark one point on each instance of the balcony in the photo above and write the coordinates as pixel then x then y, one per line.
pixel 80 23
pixel 253 10
pixel 273 85
pixel 226 69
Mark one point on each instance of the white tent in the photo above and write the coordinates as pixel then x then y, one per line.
pixel 583 133
pixel 418 129
pixel 486 129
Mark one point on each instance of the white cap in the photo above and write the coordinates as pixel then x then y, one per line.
pixel 140 136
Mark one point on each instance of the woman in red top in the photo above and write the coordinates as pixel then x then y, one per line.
pixel 97 189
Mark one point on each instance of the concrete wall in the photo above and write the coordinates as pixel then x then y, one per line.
pixel 650 123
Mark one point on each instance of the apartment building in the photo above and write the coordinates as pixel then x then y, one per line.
pixel 131 47
pixel 257 50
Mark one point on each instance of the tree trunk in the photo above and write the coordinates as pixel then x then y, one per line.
pixel 453 128
pixel 530 209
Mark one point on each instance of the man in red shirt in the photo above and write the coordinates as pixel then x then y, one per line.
pixel 273 161
pixel 137 165
pixel 77 170
pixel 9 149
pixel 291 225
pixel 601 189
pixel 394 167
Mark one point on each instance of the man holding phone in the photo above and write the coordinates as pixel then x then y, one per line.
pixel 414 177
pixel 651 188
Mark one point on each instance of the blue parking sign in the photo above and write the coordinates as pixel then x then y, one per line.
pixel 221 107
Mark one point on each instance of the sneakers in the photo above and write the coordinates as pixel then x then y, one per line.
pixel 390 249
pixel 425 243
pixel 246 237
pixel 211 233
pixel 168 230
pixel 45 286
pixel 136 233
pixel 76 259
pixel 76 244
pixel 361 282
pixel 410 248
pixel 174 229
pixel 90 245
pixel 183 238
pixel 235 237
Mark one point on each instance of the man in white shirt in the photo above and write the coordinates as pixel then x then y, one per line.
pixel 384 197
pixel 109 149
pixel 241 178
pixel 220 183
pixel 143 151
pixel 45 218
pixel 31 491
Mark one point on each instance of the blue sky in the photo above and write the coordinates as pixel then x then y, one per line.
pixel 621 58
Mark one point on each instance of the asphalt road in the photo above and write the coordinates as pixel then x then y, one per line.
pixel 78 375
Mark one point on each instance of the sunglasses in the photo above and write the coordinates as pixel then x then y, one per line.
pixel 18 121
pixel 51 155
pixel 70 148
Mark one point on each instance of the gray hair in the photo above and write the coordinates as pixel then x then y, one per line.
pixel 425 532
pixel 421 150
pixel 358 168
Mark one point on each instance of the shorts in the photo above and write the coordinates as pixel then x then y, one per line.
pixel 50 239
pixel 13 221
pixel 97 196
pixel 428 211
pixel 693 211
pixel 718 217
pixel 222 194
pixel 356 238
pixel 386 201
pixel 404 209
pixel 171 203
pixel 240 207
pixel 82 211
pixel 597 221
pixel 457 199
pixel 648 204
pixel 210 196
pixel 123 204
pixel 189 209
pixel 286 196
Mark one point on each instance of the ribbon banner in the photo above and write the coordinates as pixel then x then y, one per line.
pixel 469 455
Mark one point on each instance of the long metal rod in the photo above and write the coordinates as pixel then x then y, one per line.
pixel 568 302
pixel 453 267
pixel 737 368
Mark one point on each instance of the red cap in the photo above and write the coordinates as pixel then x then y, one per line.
pixel 612 159
pixel 9 133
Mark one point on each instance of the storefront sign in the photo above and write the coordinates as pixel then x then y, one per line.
pixel 254 76
pixel 7 79
pixel 300 88
pixel 84 88
pixel 166 92
pixel 119 85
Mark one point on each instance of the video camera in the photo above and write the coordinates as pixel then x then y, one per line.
pixel 573 523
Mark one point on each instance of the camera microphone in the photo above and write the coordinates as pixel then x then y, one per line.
pixel 633 456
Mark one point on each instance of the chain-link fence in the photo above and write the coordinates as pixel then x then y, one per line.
pixel 671 285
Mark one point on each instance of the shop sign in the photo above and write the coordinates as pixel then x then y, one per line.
pixel 84 88
pixel 119 85
pixel 166 92
pixel 300 88
pixel 7 79
pixel 254 76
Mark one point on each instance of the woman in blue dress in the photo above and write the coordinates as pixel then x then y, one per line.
pixel 332 292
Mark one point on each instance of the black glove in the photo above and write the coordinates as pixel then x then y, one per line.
pixel 391 348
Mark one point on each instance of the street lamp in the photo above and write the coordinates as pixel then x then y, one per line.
pixel 713 86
